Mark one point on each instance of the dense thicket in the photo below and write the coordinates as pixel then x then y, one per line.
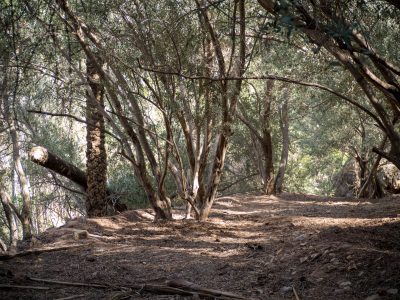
pixel 165 103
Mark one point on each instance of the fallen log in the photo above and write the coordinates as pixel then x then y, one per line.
pixel 36 252
pixel 41 156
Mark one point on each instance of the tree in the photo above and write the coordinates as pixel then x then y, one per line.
pixel 329 27
pixel 10 55
pixel 96 158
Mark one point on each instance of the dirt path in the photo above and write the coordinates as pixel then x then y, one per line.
pixel 256 246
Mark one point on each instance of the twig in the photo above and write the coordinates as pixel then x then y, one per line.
pixel 295 293
pixel 26 287
pixel 94 285
pixel 175 287
pixel 72 297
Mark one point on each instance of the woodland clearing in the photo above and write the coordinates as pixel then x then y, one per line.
pixel 260 247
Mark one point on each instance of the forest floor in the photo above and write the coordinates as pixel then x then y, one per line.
pixel 256 246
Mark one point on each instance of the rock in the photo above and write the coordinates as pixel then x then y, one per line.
pixel 286 289
pixel 303 259
pixel 315 256
pixel 346 289
pixel 300 237
pixel 392 291
pixel 80 234
pixel 344 284
pixel 373 297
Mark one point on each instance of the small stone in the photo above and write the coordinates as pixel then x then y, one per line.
pixel 373 297
pixel 303 259
pixel 259 291
pixel 347 289
pixel 300 237
pixel 80 234
pixel 392 291
pixel 315 256
pixel 344 284
pixel 286 289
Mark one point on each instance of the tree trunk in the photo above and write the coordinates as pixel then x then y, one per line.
pixel 23 181
pixel 268 180
pixel 284 124
pixel 10 216
pixel 367 79
pixel 215 178
pixel 96 158
pixel 44 158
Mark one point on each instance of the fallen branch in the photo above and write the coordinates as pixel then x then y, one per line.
pixel 81 284
pixel 295 293
pixel 41 156
pixel 37 251
pixel 25 287
pixel 187 285
pixel 72 297
pixel 175 287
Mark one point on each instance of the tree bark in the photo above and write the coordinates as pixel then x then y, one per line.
pixel 45 158
pixel 10 118
pixel 10 216
pixel 229 101
pixel 284 124
pixel 96 157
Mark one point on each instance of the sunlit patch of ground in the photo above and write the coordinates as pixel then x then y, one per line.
pixel 257 246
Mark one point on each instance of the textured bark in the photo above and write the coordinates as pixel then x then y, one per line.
pixel 266 141
pixel 10 118
pixel 115 89
pixel 262 140
pixel 96 158
pixel 229 98
pixel 284 124
pixel 44 158
pixel 10 216
pixel 23 181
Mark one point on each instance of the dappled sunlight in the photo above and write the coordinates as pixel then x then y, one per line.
pixel 262 241
pixel 343 222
